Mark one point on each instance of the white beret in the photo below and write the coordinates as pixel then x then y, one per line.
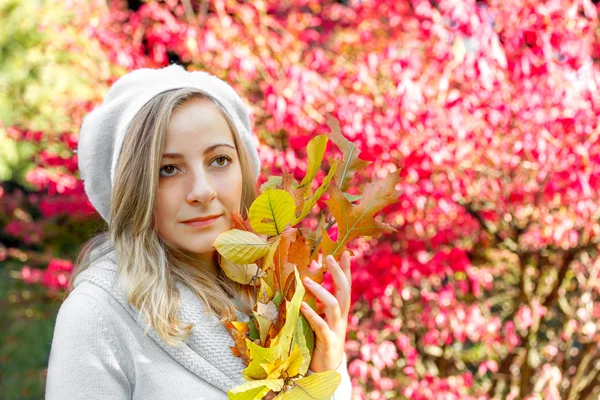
pixel 103 129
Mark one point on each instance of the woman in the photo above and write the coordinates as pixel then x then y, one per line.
pixel 148 304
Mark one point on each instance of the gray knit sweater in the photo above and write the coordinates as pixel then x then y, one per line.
pixel 99 350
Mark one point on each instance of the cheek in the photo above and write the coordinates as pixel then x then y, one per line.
pixel 163 206
pixel 232 190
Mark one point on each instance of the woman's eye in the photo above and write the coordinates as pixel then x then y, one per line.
pixel 225 158
pixel 166 167
pixel 221 161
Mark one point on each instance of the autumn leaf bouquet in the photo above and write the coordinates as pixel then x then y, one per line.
pixel 270 253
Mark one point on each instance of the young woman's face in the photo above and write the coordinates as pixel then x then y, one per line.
pixel 204 180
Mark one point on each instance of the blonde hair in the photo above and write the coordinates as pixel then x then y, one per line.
pixel 149 266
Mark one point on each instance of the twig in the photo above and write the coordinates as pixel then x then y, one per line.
pixel 329 225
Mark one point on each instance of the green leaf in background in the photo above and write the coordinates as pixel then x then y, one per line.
pixel 352 197
pixel 271 183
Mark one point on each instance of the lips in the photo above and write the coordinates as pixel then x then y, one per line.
pixel 200 219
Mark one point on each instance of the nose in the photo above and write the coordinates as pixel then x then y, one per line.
pixel 202 190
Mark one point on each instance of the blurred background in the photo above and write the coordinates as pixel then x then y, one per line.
pixel 489 288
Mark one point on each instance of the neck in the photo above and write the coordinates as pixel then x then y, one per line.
pixel 208 262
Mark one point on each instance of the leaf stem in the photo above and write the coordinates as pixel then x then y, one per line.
pixel 329 225
pixel 254 280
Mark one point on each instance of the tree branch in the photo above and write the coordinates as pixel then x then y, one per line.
pixel 508 243
pixel 552 297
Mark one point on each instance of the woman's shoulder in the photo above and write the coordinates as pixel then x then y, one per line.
pixel 87 348
pixel 88 306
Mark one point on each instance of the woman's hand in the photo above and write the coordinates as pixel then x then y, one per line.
pixel 331 331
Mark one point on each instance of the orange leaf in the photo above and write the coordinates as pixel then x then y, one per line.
pixel 351 163
pixel 297 193
pixel 240 223
pixel 280 269
pixel 355 220
pixel 239 332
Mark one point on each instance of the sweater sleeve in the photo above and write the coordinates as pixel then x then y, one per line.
pixel 86 360
pixel 344 389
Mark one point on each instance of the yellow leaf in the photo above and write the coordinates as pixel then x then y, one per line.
pixel 280 345
pixel 241 247
pixel 320 386
pixel 239 325
pixel 263 326
pixel 268 261
pixel 286 334
pixel 271 212
pixel 315 150
pixel 275 370
pixel 259 355
pixel 255 390
pixel 266 293
pixel 285 368
pixel 241 273
pixel 294 362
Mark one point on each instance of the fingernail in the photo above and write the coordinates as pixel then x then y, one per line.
pixel 308 281
pixel 330 258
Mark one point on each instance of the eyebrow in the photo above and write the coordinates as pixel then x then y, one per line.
pixel 208 150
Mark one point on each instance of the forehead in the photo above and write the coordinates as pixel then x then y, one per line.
pixel 195 126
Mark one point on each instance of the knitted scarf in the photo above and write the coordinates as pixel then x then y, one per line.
pixel 205 353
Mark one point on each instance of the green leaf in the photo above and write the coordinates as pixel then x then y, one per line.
pixel 278 297
pixel 319 386
pixel 271 183
pixel 304 337
pixel 255 389
pixel 241 247
pixel 253 333
pixel 352 197
pixel 271 212
pixel 310 203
